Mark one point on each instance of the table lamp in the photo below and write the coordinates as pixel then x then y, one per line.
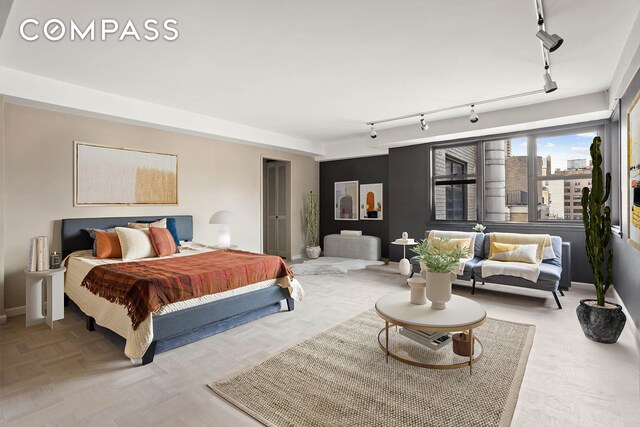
pixel 224 233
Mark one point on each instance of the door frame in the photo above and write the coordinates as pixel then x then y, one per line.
pixel 263 227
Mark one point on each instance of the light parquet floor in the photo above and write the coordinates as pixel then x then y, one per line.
pixel 69 376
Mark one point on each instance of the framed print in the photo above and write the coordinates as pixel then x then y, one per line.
pixel 371 202
pixel 346 200
pixel 633 129
pixel 106 175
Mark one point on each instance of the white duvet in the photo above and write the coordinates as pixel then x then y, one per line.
pixel 115 317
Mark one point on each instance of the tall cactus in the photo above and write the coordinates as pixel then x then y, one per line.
pixel 597 223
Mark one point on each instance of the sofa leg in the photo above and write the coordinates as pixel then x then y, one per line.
pixel 561 293
pixel 473 286
pixel 557 300
pixel 412 273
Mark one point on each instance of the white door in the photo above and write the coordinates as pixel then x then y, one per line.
pixel 276 208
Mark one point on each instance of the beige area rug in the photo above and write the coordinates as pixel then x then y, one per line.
pixel 340 378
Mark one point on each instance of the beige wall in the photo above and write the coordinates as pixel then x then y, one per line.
pixel 2 203
pixel 213 175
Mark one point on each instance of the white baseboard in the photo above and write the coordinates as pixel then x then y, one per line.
pixel 15 311
pixel 583 286
pixel 295 257
pixel 3 319
pixel 630 323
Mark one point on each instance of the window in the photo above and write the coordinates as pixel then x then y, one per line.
pixel 455 183
pixel 532 177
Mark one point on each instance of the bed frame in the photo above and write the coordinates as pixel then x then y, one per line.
pixel 185 326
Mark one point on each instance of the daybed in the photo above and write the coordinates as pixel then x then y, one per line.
pixel 185 323
pixel 555 274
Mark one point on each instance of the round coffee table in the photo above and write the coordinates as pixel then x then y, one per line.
pixel 461 314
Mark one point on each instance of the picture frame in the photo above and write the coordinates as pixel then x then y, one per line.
pixel 633 185
pixel 346 200
pixel 371 202
pixel 116 176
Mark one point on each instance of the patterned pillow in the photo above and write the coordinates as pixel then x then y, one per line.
pixel 514 253
pixel 135 243
pixel 171 226
pixel 107 245
pixel 162 241
pixel 161 223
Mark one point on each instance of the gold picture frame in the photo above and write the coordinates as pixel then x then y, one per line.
pixel 116 176
pixel 633 169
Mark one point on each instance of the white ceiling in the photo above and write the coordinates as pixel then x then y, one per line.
pixel 318 70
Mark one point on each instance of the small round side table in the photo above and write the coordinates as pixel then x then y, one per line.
pixel 404 266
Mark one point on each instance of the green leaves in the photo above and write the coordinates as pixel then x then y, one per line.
pixel 440 255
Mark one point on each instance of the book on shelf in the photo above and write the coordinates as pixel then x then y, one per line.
pixel 32 260
pixel 441 340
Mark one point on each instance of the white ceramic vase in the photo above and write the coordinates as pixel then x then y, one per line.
pixel 313 252
pixel 418 290
pixel 438 287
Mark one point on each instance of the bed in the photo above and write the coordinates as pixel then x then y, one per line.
pixel 173 325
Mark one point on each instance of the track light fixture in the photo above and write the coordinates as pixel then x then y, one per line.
pixel 551 42
pixel 473 116
pixel 373 132
pixel 423 123
pixel 549 84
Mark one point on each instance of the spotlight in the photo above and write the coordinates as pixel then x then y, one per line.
pixel 473 116
pixel 549 85
pixel 373 133
pixel 423 123
pixel 551 42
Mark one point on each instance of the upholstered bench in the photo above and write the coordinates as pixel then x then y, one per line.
pixel 356 247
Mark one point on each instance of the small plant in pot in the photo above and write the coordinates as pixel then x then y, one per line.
pixel 601 321
pixel 311 223
pixel 438 259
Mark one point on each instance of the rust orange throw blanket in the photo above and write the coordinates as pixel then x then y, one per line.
pixel 144 286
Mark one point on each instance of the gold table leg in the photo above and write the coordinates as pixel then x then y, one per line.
pixel 470 351
pixel 386 329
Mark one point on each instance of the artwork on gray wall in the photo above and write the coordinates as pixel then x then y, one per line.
pixel 346 200
pixel 633 126
pixel 371 202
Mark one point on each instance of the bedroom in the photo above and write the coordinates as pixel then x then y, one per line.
pixel 223 103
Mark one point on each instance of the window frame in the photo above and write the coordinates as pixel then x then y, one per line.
pixel 599 127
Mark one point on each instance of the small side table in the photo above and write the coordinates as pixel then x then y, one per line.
pixel 405 266
pixel 54 281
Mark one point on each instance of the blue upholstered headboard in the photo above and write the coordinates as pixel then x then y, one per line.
pixel 74 239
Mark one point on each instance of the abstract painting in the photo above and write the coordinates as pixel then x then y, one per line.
pixel 633 129
pixel 121 176
pixel 346 200
pixel 371 202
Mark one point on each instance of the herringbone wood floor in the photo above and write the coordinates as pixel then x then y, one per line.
pixel 69 376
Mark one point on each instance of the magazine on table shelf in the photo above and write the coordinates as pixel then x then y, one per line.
pixel 434 341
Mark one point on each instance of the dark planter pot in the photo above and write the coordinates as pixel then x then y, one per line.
pixel 601 324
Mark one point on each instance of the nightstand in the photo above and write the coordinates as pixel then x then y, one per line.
pixel 53 283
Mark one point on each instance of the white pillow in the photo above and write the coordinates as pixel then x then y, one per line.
pixel 161 223
pixel 514 253
pixel 135 244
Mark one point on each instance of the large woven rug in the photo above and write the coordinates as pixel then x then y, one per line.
pixel 340 378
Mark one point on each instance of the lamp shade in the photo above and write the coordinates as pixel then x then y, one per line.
pixel 223 217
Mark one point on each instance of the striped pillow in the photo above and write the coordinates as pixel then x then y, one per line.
pixel 162 241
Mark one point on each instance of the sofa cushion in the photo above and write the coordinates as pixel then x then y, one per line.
pixel 556 244
pixel 549 273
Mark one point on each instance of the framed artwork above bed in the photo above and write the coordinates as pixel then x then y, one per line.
pixel 105 175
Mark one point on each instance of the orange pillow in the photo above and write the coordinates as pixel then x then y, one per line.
pixel 162 241
pixel 108 245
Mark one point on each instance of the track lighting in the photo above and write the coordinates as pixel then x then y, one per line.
pixel 373 132
pixel 423 123
pixel 473 116
pixel 549 85
pixel 551 42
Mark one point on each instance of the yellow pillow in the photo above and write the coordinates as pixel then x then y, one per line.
pixel 513 253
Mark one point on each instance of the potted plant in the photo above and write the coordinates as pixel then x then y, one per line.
pixel 479 228
pixel 601 321
pixel 311 222
pixel 438 259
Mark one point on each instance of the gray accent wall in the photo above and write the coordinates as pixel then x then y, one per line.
pixel 626 277
pixel 366 170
